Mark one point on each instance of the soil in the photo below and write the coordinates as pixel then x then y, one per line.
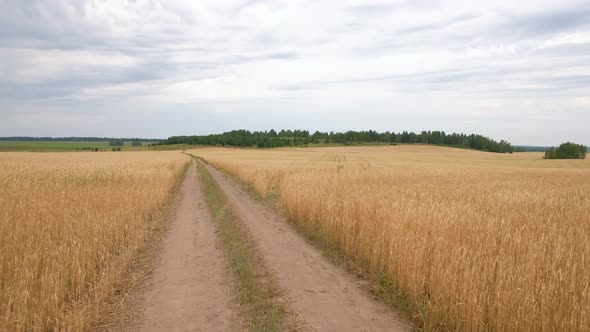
pixel 327 297
pixel 190 289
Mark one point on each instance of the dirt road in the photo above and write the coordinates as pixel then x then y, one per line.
pixel 325 296
pixel 190 288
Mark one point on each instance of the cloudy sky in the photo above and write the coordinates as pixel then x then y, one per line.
pixel 517 70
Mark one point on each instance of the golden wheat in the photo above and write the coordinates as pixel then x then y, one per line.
pixel 475 241
pixel 70 223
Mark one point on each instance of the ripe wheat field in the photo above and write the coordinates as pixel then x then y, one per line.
pixel 70 224
pixel 472 240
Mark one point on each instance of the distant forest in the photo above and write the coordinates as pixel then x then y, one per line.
pixel 272 139
pixel 76 139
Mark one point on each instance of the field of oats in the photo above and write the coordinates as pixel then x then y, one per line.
pixel 70 224
pixel 473 240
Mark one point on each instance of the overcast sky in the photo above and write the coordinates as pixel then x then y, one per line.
pixel 516 70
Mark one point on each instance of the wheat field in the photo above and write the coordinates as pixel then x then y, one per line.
pixel 70 224
pixel 473 240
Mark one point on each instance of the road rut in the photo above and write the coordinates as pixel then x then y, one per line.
pixel 190 290
pixel 326 296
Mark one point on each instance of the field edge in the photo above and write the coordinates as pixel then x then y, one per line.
pixel 262 303
pixel 376 283
pixel 120 310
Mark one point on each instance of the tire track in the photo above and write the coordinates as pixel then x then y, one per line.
pixel 190 290
pixel 325 296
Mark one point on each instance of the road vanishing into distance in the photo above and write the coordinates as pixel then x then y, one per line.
pixel 191 288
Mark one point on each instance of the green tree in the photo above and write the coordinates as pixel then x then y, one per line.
pixel 393 138
pixel 550 154
pixel 270 139
pixel 405 137
pixel 116 143
pixel 567 150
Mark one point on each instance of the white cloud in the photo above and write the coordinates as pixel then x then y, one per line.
pixel 448 59
pixel 33 66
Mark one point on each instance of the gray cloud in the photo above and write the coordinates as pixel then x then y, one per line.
pixel 552 22
pixel 217 61
pixel 439 25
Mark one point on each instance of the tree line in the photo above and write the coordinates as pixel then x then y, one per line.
pixel 76 139
pixel 122 143
pixel 567 150
pixel 272 139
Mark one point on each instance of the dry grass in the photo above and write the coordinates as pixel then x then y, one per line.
pixel 473 240
pixel 70 224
